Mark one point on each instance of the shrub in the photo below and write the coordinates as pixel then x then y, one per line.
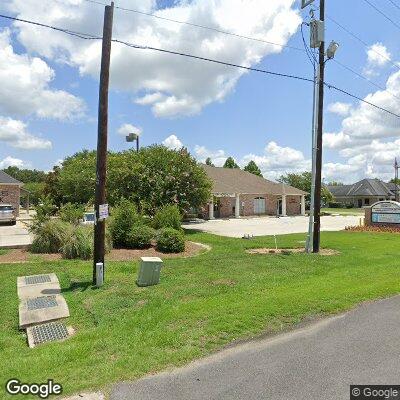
pixel 140 237
pixel 79 244
pixel 168 217
pixel 49 236
pixel 124 217
pixel 71 212
pixel 170 240
pixel 43 212
pixel 335 204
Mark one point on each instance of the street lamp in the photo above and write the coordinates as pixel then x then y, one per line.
pixel 133 137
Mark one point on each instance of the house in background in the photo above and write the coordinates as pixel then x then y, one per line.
pixel 10 191
pixel 363 193
pixel 239 193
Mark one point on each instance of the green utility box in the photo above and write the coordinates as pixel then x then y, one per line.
pixel 149 271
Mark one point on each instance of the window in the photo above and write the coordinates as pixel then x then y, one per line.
pixel 366 202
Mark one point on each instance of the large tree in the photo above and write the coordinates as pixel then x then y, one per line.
pixel 252 167
pixel 26 175
pixel 153 177
pixel 209 162
pixel 302 181
pixel 230 163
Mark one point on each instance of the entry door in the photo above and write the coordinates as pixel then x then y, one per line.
pixel 259 205
pixel 279 207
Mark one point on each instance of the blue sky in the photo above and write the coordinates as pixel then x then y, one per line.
pixel 257 110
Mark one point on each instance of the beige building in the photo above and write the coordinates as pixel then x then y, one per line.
pixel 238 193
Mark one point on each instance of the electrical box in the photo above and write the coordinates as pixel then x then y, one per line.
pixel 317 33
pixel 99 274
pixel 149 271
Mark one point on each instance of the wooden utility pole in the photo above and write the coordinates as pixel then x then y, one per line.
pixel 101 166
pixel 318 172
pixel 396 180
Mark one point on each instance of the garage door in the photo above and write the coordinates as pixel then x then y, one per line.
pixel 259 205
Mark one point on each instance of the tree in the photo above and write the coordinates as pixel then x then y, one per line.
pixel 335 183
pixel 26 175
pixel 153 177
pixel 209 162
pixel 230 163
pixel 303 182
pixel 252 167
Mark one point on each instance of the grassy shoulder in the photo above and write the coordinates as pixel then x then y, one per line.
pixel 202 303
pixel 344 211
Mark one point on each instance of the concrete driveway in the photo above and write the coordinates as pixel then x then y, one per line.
pixel 14 236
pixel 320 361
pixel 264 226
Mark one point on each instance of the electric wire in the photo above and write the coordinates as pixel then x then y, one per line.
pixel 383 14
pixel 132 45
pixel 197 26
pixel 395 4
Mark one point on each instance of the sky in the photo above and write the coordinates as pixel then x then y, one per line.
pixel 49 83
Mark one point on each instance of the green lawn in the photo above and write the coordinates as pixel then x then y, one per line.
pixel 203 303
pixel 344 211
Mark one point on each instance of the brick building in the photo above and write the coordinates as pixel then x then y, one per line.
pixel 10 191
pixel 239 193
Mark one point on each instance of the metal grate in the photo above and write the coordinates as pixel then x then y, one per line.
pixel 41 302
pixel 33 280
pixel 49 332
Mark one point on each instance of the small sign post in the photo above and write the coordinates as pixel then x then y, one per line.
pixel 103 212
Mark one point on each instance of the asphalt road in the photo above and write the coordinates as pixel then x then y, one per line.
pixel 263 226
pixel 316 362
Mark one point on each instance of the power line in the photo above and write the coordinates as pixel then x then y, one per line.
pixel 367 46
pixel 383 14
pixel 92 37
pixel 199 26
pixel 365 78
pixel 395 4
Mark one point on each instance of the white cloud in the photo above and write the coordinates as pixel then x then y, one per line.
pixel 14 133
pixel 218 157
pixel 172 142
pixel 12 162
pixel 377 57
pixel 173 85
pixel 126 129
pixel 25 90
pixel 339 108
pixel 278 160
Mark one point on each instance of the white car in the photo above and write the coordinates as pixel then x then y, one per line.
pixel 7 214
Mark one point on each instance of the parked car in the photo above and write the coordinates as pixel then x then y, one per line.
pixel 88 218
pixel 7 214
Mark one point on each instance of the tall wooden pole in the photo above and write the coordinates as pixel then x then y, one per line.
pixel 318 174
pixel 101 166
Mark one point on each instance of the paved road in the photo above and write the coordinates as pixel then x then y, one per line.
pixel 270 225
pixel 14 235
pixel 316 362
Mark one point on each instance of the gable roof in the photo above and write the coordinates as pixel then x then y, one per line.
pixel 5 178
pixel 232 181
pixel 365 187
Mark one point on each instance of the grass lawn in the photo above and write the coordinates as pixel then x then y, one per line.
pixel 203 303
pixel 345 211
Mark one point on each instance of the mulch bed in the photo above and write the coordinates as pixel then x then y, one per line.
pixel 371 228
pixel 322 252
pixel 22 255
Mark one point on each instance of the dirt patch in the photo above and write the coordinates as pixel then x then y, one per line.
pixel 323 252
pixel 22 255
pixel 374 228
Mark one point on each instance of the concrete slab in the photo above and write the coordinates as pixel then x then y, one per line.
pixel 28 317
pixel 30 291
pixel 14 236
pixel 46 278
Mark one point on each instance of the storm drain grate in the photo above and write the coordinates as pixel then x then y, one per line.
pixel 41 302
pixel 49 332
pixel 33 280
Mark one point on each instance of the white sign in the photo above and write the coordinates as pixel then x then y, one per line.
pixel 305 3
pixel 103 211
pixel 386 212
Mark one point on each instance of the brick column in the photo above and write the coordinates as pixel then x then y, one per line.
pixel 284 205
pixel 303 205
pixel 237 206
pixel 211 209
